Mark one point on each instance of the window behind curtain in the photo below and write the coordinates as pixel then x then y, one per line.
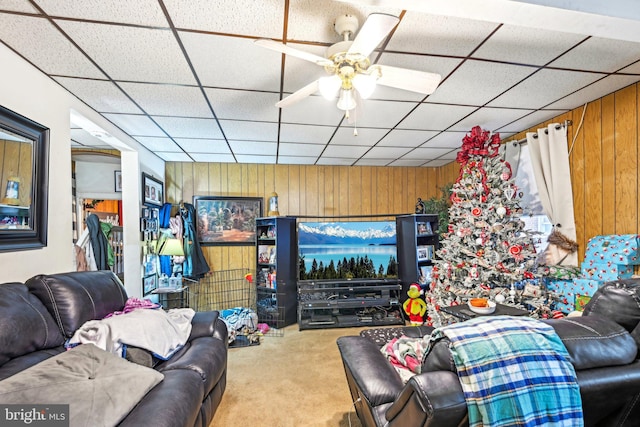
pixel 533 214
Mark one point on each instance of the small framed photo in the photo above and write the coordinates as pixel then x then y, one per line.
pixel 425 253
pixel 118 181
pixel 153 191
pixel 149 284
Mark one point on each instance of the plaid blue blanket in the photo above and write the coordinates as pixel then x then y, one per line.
pixel 514 371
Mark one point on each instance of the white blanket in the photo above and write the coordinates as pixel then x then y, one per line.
pixel 162 333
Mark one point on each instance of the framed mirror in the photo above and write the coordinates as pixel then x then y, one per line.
pixel 24 182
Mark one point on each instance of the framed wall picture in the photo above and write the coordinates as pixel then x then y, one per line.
pixel 118 181
pixel 152 191
pixel 227 220
pixel 149 283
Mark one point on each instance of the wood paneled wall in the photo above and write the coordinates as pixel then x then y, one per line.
pixel 604 172
pixel 322 191
pixel 604 164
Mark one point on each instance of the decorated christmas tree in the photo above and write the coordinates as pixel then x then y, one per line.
pixel 486 248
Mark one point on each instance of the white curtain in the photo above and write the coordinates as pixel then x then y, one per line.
pixel 550 161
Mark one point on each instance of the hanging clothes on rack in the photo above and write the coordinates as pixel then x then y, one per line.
pixel 195 265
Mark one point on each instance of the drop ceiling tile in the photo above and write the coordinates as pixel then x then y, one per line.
pixel 594 91
pixel 344 151
pixel 232 62
pixel 633 68
pixel 305 133
pixel 135 125
pixel 213 158
pixel 435 117
pixel 314 110
pixel 406 138
pixel 102 96
pixel 258 148
pixel 385 152
pixel 336 161
pixel 425 153
pixel 174 157
pixel 18 6
pixel 544 88
pixel 530 120
pixel 451 155
pixel 124 52
pixel 366 136
pixel 443 35
pixel 448 140
pixel 243 104
pixel 313 20
pixel 299 150
pixel 597 54
pixel 40 43
pixel 490 118
pixel 204 146
pixel 478 82
pixel 256 131
pixel 523 45
pixel 243 158
pixel 264 18
pixel 383 114
pixel 296 160
pixel 154 144
pixel 179 127
pixel 140 12
pixel 168 100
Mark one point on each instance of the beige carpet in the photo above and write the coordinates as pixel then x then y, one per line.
pixel 292 380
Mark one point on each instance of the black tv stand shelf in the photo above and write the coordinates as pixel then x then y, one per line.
pixel 348 303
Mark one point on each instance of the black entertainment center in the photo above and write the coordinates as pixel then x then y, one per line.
pixel 348 303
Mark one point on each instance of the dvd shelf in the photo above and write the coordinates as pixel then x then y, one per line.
pixel 417 243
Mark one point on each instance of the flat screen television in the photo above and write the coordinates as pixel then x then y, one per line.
pixel 347 250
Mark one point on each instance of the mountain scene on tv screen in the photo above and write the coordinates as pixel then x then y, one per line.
pixel 347 250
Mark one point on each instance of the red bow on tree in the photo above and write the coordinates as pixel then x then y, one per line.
pixel 477 142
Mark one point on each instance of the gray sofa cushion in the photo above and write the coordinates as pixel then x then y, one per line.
pixel 100 388
pixel 25 324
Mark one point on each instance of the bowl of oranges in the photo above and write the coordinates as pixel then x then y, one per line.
pixel 481 305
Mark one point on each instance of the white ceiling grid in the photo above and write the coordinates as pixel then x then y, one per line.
pixel 185 79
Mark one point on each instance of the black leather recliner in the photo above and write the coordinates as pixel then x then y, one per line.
pixel 37 317
pixel 602 344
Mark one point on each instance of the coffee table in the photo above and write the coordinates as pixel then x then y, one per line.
pixel 463 311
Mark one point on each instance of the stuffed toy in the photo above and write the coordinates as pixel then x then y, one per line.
pixel 414 306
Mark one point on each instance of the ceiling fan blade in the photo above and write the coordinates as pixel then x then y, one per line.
pixel 298 95
pixel 283 48
pixel 411 80
pixel 375 29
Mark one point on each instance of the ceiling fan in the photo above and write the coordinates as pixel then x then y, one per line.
pixel 351 74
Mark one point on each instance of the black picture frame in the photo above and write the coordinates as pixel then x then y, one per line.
pixel 227 221
pixel 33 233
pixel 117 181
pixel 152 191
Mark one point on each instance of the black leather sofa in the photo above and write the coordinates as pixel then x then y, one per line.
pixel 602 344
pixel 36 317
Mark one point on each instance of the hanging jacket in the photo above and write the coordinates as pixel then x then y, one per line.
pixel 195 265
pixel 98 242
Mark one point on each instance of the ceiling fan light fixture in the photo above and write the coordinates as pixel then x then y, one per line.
pixel 329 86
pixel 365 84
pixel 346 101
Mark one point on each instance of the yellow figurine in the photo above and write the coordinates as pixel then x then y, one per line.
pixel 414 306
